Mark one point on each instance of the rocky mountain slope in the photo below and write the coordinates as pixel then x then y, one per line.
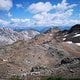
pixel 9 36
pixel 70 39
pixel 44 55
pixel 72 35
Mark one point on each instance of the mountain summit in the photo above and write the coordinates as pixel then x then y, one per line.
pixel 75 28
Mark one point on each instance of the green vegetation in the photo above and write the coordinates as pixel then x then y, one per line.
pixel 41 78
pixel 57 78
pixel 15 77
pixel 52 78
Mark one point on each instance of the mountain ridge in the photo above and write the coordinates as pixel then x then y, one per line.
pixel 8 36
pixel 46 54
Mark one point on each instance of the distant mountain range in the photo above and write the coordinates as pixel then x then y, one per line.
pixel 40 29
pixel 9 36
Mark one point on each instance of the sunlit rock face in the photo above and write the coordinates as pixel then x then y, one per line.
pixel 9 36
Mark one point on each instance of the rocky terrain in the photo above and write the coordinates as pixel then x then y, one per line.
pixel 54 53
pixel 9 36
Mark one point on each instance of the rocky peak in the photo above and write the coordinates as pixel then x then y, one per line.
pixel 52 30
pixel 75 28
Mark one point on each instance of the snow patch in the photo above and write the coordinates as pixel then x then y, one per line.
pixel 69 42
pixel 65 35
pixel 78 44
pixel 51 34
pixel 77 35
pixel 5 60
pixel 64 39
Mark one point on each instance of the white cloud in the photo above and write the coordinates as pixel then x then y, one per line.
pixel 55 19
pixel 40 7
pixel 9 14
pixel 73 22
pixel 6 4
pixel 17 22
pixel 42 16
pixel 63 6
pixel 19 5
pixel 4 23
pixel 61 15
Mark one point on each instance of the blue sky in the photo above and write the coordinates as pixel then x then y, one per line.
pixel 31 13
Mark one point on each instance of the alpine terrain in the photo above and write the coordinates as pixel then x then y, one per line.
pixel 30 55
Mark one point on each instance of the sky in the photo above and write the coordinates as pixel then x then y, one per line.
pixel 31 13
